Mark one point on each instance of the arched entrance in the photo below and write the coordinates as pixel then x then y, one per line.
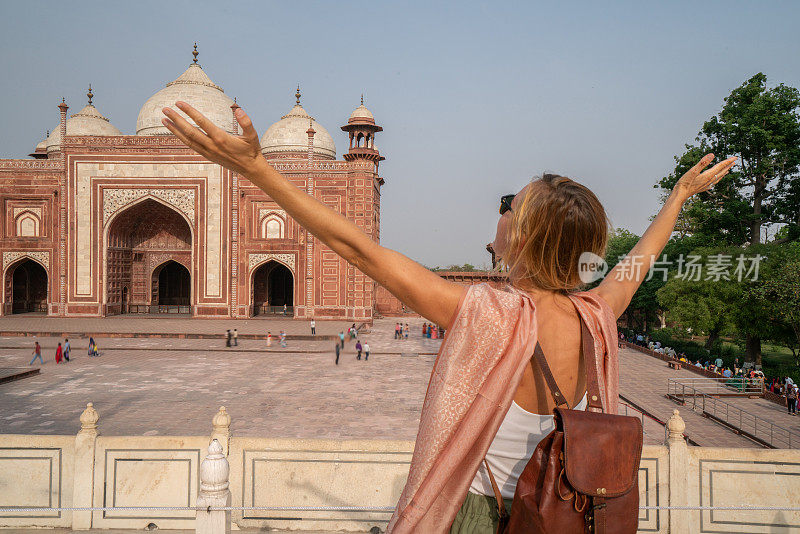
pixel 171 285
pixel 273 290
pixel 148 246
pixel 26 287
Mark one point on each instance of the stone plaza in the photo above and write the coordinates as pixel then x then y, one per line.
pixel 171 386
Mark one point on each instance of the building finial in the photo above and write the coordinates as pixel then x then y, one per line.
pixel 63 101
pixel 47 134
pixel 90 94
pixel 362 99
pixel 195 53
pixel 297 94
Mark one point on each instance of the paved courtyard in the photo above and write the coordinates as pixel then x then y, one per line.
pixel 172 386
pixel 167 386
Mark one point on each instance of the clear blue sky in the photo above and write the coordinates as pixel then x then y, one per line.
pixel 475 97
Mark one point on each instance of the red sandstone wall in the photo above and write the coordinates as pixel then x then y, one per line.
pixel 387 304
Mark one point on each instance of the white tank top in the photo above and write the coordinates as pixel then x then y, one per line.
pixel 512 448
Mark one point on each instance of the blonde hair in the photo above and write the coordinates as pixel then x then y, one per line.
pixel 557 221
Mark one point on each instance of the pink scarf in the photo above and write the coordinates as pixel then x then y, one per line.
pixel 477 371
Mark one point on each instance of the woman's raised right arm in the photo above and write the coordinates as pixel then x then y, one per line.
pixel 619 285
pixel 418 288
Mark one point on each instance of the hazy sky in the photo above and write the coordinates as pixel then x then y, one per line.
pixel 475 97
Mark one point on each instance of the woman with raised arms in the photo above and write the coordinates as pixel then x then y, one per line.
pixel 484 399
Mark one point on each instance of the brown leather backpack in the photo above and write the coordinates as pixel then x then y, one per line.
pixel 584 476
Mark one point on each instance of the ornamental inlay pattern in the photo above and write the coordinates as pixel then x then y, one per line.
pixel 264 212
pixel 35 211
pixel 287 259
pixel 116 199
pixel 42 256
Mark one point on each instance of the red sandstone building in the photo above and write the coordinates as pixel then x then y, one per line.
pixel 99 223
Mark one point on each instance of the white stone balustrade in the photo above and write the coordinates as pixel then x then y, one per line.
pixel 190 476
pixel 214 492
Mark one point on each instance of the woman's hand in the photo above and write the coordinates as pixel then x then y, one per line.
pixel 241 154
pixel 696 180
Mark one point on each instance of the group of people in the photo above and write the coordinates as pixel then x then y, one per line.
pixel 783 386
pixel 281 339
pixel 401 331
pixel 432 331
pixel 232 338
pixel 352 333
pixel 62 351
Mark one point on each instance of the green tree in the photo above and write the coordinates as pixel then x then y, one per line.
pixel 778 293
pixel 761 126
pixel 705 306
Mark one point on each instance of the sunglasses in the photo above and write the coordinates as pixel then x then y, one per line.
pixel 505 203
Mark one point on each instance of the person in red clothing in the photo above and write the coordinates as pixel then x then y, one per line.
pixel 59 353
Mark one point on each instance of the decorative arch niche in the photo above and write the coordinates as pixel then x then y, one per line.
pixel 27 224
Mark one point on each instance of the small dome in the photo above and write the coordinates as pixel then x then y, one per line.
pixel 361 113
pixel 193 87
pixel 87 121
pixel 290 135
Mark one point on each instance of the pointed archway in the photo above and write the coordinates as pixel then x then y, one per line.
pixel 26 287
pixel 171 283
pixel 273 289
pixel 142 241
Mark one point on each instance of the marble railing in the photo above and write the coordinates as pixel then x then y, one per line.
pixel 336 485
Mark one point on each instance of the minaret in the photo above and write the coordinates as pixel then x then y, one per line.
pixel 235 197
pixel 311 131
pixel 62 125
pixel 362 129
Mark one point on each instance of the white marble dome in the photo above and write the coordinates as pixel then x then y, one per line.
pixel 361 114
pixel 87 121
pixel 290 135
pixel 193 87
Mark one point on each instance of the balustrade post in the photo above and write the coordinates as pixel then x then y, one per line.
pixel 214 493
pixel 221 428
pixel 678 473
pixel 83 474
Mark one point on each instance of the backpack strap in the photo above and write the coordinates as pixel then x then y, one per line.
pixel 593 399
pixel 502 513
pixel 541 361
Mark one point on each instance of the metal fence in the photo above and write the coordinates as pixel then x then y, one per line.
pixel 147 309
pixel 699 394
pixel 725 387
pixel 288 311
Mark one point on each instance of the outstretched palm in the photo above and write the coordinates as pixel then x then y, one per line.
pixel 696 180
pixel 241 154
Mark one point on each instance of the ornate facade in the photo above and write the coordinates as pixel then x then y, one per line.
pixel 99 223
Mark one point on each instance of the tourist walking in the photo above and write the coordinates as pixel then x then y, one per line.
pixel 283 339
pixel 37 353
pixel 396 330
pixel 405 332
pixel 92 347
pixel 313 327
pixel 235 338
pixel 228 338
pixel 66 350
pixel 479 377
pixel 341 338
pixel 269 339
pixel 358 350
pixel 59 353
pixel 366 351
pixel 353 332
pixel 337 353
pixel 791 399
